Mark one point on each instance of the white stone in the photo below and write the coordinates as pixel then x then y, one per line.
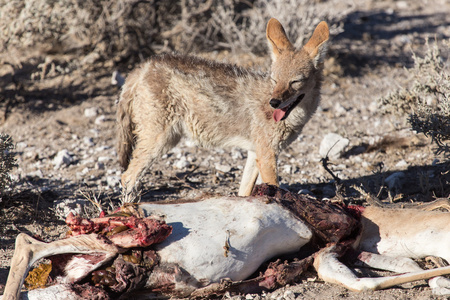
pixel 401 164
pixel 88 141
pixel 286 169
pixel 100 120
pixel 113 181
pixel 182 163
pixel 333 145
pixel 222 168
pixel 90 112
pixel 62 158
pixel 395 180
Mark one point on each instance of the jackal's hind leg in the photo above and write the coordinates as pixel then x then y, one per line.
pixel 249 175
pixel 148 148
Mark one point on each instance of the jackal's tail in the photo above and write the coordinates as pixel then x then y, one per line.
pixel 125 136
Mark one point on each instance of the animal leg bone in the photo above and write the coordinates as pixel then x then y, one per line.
pixel 250 175
pixel 28 250
pixel 331 270
pixel 383 262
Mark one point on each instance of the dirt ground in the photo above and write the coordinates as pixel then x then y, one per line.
pixel 51 106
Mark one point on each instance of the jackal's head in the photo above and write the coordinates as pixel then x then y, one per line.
pixel 295 72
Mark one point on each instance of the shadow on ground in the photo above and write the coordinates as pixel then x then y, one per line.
pixel 373 38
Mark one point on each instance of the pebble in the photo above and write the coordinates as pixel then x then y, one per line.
pixel 63 158
pixel 100 120
pixel 88 141
pixel 91 112
pixel 395 180
pixel 333 145
pixel 181 163
pixel 113 181
pixel 117 79
pixel 222 168
pixel 104 159
pixel 286 169
pixel 401 164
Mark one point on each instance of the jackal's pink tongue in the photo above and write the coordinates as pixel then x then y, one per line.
pixel 278 114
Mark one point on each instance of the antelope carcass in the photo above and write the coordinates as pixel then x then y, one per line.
pixel 213 245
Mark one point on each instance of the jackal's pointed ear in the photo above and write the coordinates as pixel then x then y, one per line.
pixel 317 44
pixel 277 38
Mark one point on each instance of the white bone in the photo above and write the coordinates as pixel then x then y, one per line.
pixel 331 270
pixel 28 251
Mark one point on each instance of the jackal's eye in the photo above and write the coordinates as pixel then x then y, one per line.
pixel 296 84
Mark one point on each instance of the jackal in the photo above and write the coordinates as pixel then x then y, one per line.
pixel 220 105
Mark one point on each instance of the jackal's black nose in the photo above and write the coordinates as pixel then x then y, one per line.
pixel 274 103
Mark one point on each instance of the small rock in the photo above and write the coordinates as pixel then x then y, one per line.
pixel 286 169
pixel 62 158
pixel 101 148
pixel 35 174
pixel 237 154
pixel 88 141
pixel 104 159
pixel 288 295
pixel 21 145
pixel 401 164
pixel 117 79
pixel 113 181
pixel 333 145
pixel 339 110
pixel 222 168
pixel 99 165
pixel 91 112
pixel 395 180
pixel 182 163
pixel 100 120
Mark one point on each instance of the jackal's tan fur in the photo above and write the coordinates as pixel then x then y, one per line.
pixel 220 105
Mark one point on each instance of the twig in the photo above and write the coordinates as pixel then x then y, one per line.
pixel 372 200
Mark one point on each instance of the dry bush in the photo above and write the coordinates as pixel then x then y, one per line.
pixel 245 31
pixel 126 27
pixel 109 27
pixel 427 101
pixel 7 162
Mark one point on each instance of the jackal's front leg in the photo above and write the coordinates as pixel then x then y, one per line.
pixel 266 160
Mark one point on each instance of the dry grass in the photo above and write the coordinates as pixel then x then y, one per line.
pixel 427 101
